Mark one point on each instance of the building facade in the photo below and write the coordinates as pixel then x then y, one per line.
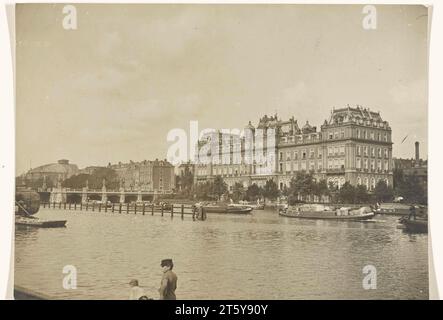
pixel 53 172
pixel 354 145
pixel 156 176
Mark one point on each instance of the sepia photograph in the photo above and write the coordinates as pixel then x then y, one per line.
pixel 221 152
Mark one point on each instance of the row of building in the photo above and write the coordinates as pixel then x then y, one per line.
pixel 156 176
pixel 354 145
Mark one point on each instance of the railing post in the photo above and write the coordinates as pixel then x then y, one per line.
pixel 152 213
pixel 75 206
pixel 162 208
pixel 81 206
pixel 106 207
pixel 183 211
pixel 100 207
pixel 87 204
pixel 69 206
pixel 127 208
pixel 135 208
pixel 172 210
pixel 143 212
pixel 93 206
pixel 120 208
pixel 113 207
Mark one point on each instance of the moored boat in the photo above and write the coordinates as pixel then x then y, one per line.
pixel 399 209
pixel 226 208
pixel 254 206
pixel 415 226
pixel 38 223
pixel 27 203
pixel 326 212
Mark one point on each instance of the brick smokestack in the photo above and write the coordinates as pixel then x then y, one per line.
pixel 417 152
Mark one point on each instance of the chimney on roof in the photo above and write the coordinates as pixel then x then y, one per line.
pixel 417 152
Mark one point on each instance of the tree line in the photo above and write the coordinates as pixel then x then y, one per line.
pixel 303 187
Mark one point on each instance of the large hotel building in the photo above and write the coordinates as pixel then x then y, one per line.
pixel 353 145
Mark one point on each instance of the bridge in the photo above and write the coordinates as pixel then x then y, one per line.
pixel 60 195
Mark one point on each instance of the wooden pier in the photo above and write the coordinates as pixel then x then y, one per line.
pixel 127 208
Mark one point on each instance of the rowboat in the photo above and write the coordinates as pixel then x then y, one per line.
pixel 254 206
pixel 415 226
pixel 327 213
pixel 38 223
pixel 399 209
pixel 229 208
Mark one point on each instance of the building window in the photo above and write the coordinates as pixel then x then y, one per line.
pixel 365 150
pixel 281 167
pixel 358 133
pixel 358 181
pixel 372 152
pixel 379 152
pixel 281 155
pixel 342 134
pixel 358 165
pixel 288 155
pixel 358 150
pixel 304 154
pixel 342 150
pixel 295 155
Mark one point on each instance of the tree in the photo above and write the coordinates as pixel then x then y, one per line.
pixel 238 192
pixel 411 190
pixel 219 187
pixel 253 192
pixel 320 188
pixel 270 190
pixel 361 194
pixel 382 192
pixel 186 182
pixel 95 180
pixel 346 194
pixel 203 191
pixel 302 185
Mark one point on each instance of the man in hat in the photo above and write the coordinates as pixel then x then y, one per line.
pixel 169 281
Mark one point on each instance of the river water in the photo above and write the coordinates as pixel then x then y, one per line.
pixel 259 256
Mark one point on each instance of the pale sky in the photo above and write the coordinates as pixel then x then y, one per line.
pixel 112 89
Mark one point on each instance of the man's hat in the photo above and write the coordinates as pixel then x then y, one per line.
pixel 166 262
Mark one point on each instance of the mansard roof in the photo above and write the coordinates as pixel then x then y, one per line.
pixel 358 115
